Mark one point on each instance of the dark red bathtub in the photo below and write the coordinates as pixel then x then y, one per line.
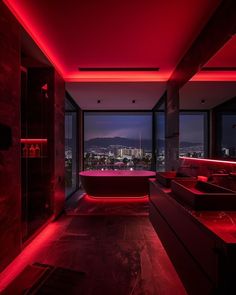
pixel 99 183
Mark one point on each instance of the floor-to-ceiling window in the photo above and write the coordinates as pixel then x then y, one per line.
pixel 193 133
pixel 117 140
pixel 123 140
pixel 227 134
pixel 71 151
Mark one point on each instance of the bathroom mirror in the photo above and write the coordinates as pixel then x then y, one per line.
pixel 211 93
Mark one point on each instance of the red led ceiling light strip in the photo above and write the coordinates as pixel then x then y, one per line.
pixel 119 76
pixel 214 76
pixel 209 160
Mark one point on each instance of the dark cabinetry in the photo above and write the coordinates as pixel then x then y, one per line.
pixel 202 250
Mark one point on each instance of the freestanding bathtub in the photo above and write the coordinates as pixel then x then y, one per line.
pixel 110 183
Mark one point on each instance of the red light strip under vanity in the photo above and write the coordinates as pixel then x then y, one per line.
pixel 208 160
pixel 33 140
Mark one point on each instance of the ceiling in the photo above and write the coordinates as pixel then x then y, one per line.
pixel 225 57
pixel 212 92
pixel 214 86
pixel 125 34
pixel 116 96
pixel 222 64
pixel 105 34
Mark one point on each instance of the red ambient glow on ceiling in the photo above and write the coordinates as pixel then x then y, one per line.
pixel 26 22
pixel 82 34
pixel 215 76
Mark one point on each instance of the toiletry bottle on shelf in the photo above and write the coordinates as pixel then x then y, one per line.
pixel 32 151
pixel 26 151
pixel 37 151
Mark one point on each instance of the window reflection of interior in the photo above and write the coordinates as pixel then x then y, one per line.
pixel 193 134
pixel 228 135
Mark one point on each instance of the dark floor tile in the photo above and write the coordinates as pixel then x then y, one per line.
pixel 117 249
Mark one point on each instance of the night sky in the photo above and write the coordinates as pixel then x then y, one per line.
pixel 117 125
pixel 132 126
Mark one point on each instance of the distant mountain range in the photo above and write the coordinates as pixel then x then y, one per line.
pixel 128 142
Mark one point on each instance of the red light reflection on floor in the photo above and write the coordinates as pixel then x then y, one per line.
pixel 27 256
pixel 105 199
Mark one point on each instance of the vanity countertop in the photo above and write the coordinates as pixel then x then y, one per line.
pixel 220 223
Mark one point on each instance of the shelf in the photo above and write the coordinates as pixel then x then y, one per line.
pixel 34 140
pixel 34 148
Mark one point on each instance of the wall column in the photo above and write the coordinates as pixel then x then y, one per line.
pixel 172 127
pixel 59 145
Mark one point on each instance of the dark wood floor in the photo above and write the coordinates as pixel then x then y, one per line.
pixel 119 253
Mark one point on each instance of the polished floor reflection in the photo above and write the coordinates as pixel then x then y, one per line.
pixel 119 253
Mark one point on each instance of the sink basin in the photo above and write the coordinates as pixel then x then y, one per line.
pixel 201 195
pixel 165 178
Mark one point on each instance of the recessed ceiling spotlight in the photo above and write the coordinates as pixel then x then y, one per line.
pixel 133 101
pixel 203 101
pixel 98 101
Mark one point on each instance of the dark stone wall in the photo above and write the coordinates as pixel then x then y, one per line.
pixel 51 127
pixel 58 178
pixel 172 127
pixel 10 198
